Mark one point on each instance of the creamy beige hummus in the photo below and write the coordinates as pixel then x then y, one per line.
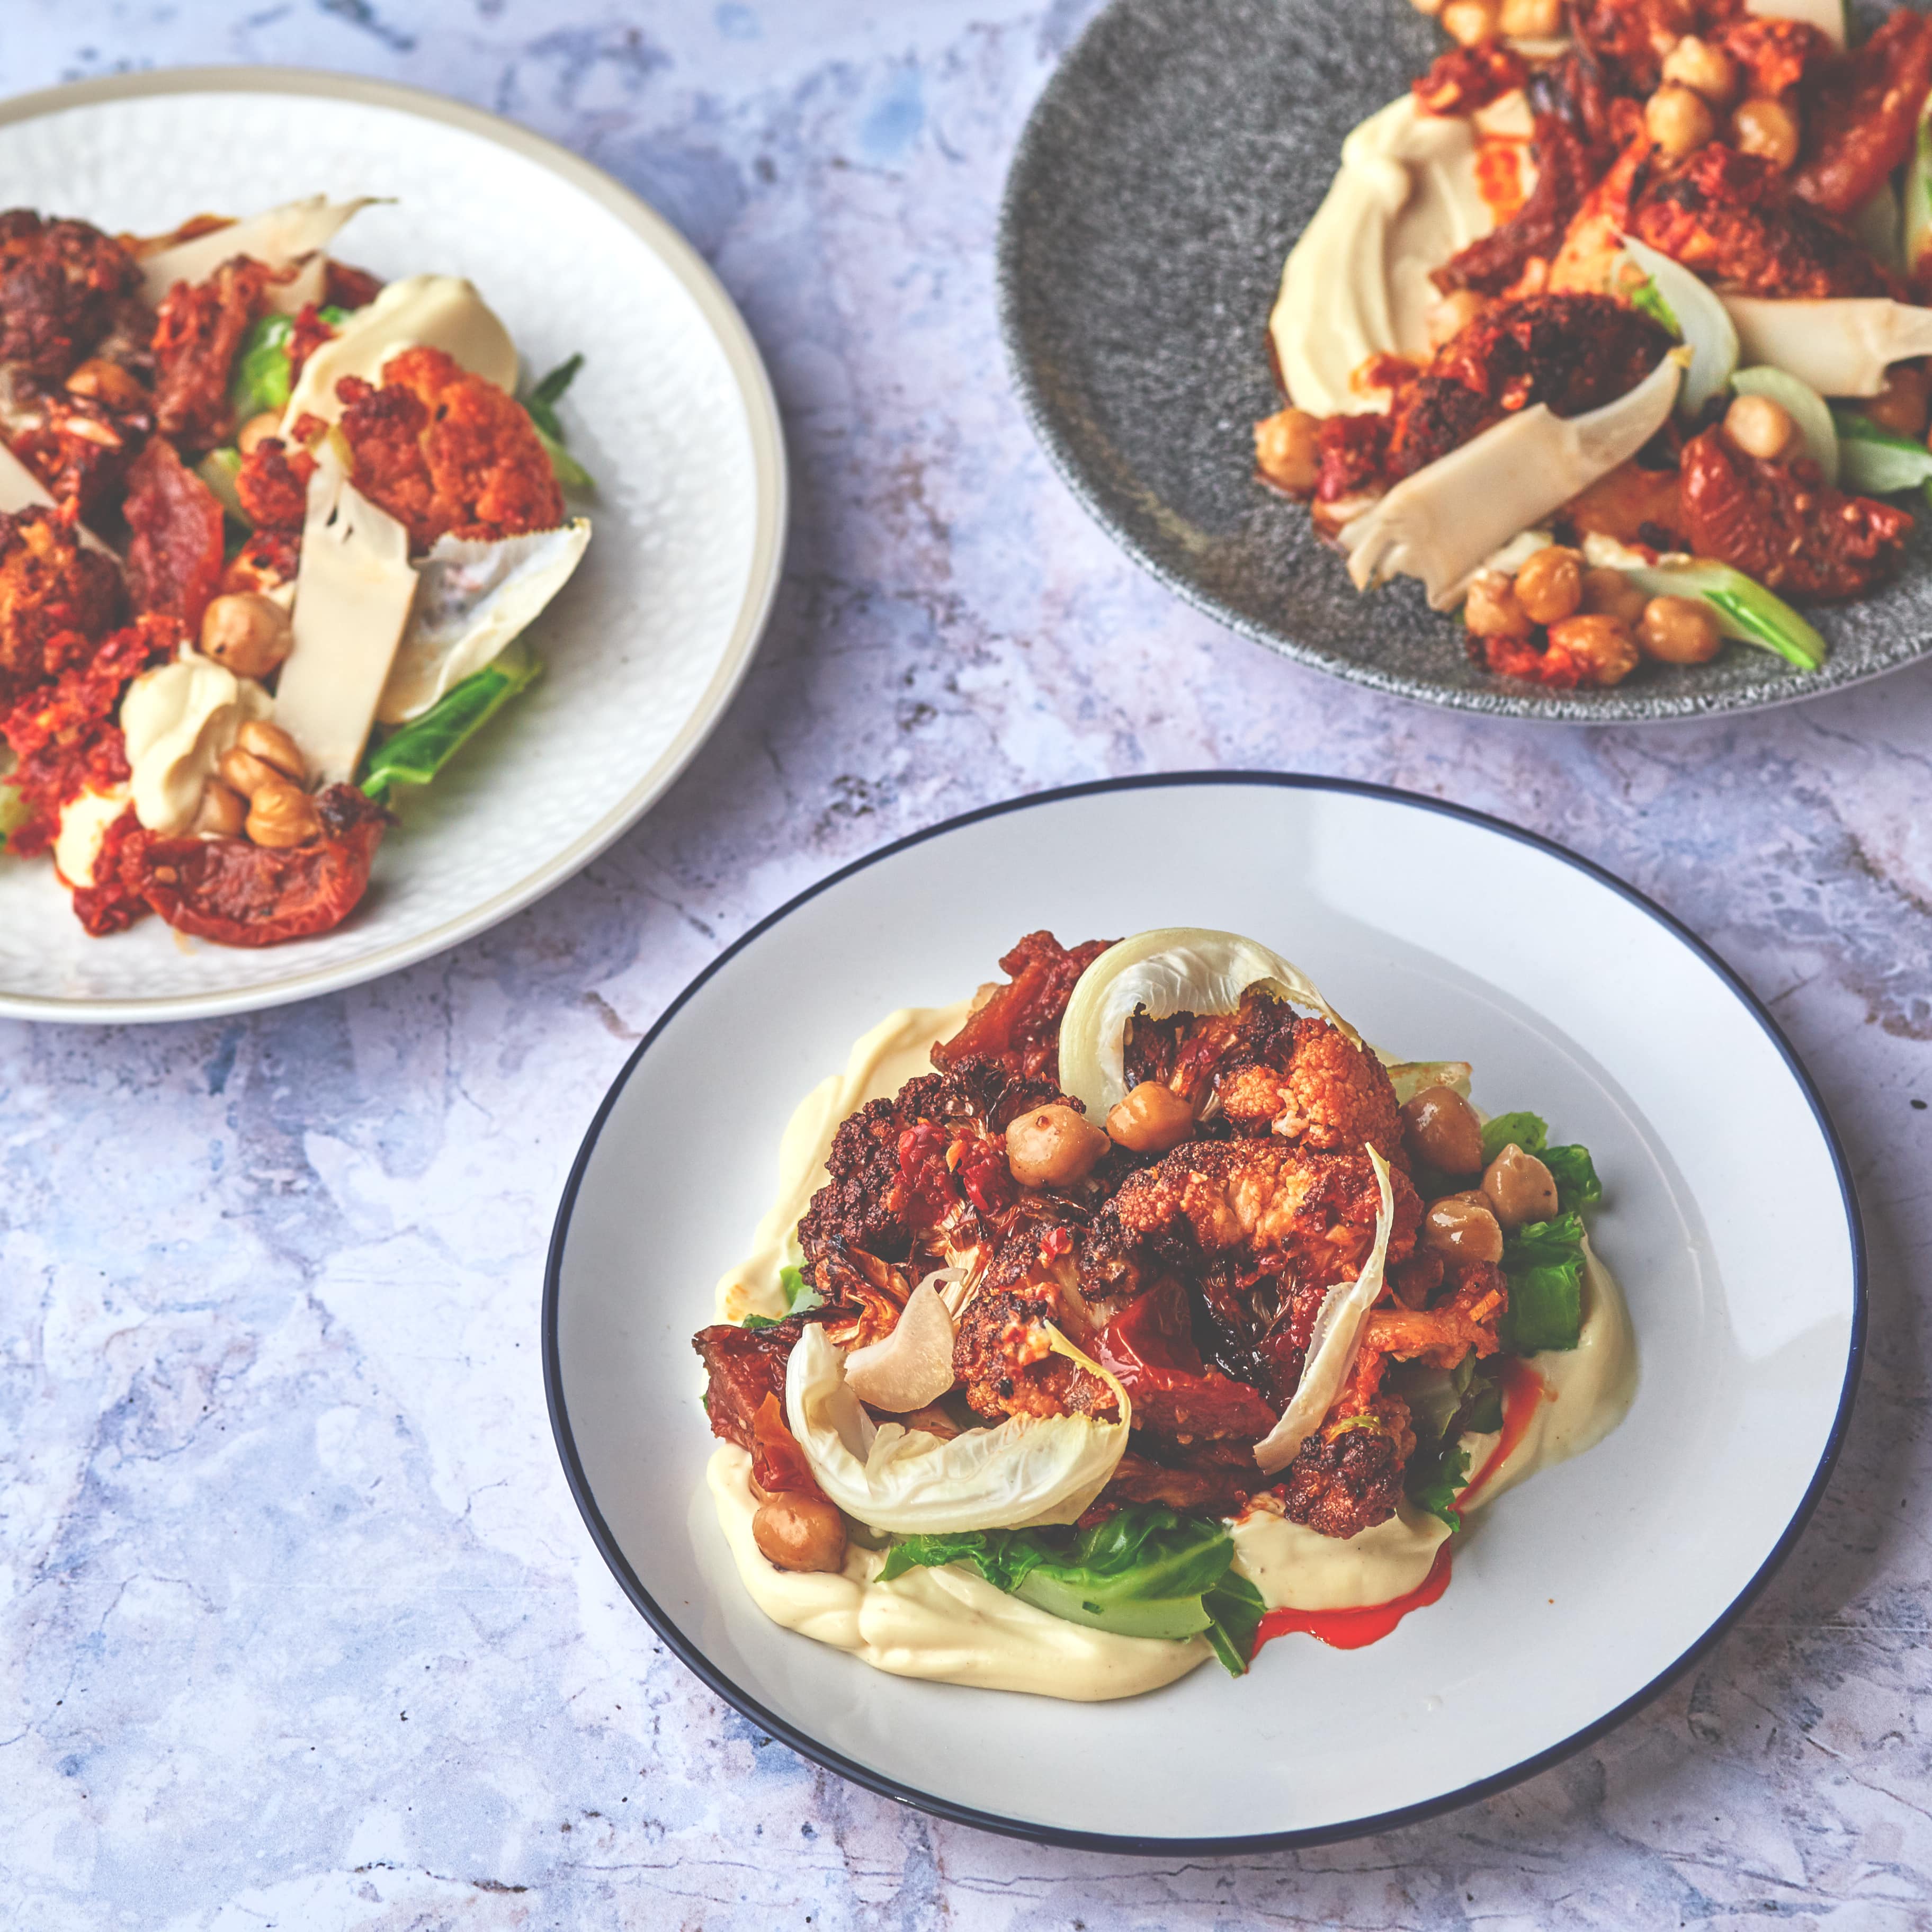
pixel 952 1626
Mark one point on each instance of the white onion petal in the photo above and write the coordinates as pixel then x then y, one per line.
pixel 1030 1471
pixel 1331 1348
pixel 1176 969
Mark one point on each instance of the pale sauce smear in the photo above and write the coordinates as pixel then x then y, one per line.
pixel 951 1626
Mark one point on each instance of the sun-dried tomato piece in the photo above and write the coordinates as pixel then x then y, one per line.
pixel 1783 525
pixel 196 340
pixel 778 1465
pixel 175 555
pixel 1775 55
pixel 1864 115
pixel 238 894
pixel 930 1194
pixel 345 287
pixel 984 1173
pixel 107 905
pixel 1019 1026
pixel 1149 1347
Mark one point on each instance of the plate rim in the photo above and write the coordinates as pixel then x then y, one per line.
pixel 770 525
pixel 1135 1844
pixel 1049 432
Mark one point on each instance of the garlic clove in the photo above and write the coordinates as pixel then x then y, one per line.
pixel 911 1366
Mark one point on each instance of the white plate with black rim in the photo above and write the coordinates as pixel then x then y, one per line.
pixel 672 413
pixel 1441 933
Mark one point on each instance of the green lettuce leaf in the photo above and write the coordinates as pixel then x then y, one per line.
pixel 414 753
pixel 1144 1572
pixel 801 1297
pixel 1569 1167
pixel 1435 1472
pixel 263 378
pixel 1528 1131
pixel 541 404
pixel 1544 1263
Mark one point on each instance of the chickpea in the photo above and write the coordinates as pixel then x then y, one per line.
pixel 1679 121
pixel 242 772
pixel 1053 1147
pixel 1603 646
pixel 1442 1128
pixel 1532 19
pixel 1609 593
pixel 1766 127
pixel 1458 1226
pixel 1152 1118
pixel 222 813
pixel 281 814
pixel 1491 609
pixel 1680 630
pixel 1520 1187
pixel 800 1532
pixel 1469 23
pixel 107 382
pixel 1905 402
pixel 1759 427
pixel 1431 7
pixel 1550 586
pixel 247 633
pixel 1452 314
pixel 256 429
pixel 1704 69
pixel 274 747
pixel 1286 452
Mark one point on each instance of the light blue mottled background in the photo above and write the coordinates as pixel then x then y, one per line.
pixel 300 1627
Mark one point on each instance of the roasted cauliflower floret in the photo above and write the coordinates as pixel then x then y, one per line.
pixel 1348 1474
pixel 57 600
pixel 447 453
pixel 1003 1357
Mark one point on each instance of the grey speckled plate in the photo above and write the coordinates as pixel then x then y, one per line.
pixel 1174 158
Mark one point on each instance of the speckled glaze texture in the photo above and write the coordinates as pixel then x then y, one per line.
pixel 299 1627
pixel 1181 149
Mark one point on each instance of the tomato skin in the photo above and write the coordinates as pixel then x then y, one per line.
pixel 1865 117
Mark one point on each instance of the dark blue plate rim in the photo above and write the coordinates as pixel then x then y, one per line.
pixel 1135 1844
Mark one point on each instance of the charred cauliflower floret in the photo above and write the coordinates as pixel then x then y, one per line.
pixel 1002 1356
pixel 1348 1475
pixel 447 453
pixel 57 599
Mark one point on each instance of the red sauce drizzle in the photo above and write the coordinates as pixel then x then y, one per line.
pixel 1523 1388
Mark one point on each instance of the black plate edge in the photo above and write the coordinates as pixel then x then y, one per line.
pixel 1553 708
pixel 808 1747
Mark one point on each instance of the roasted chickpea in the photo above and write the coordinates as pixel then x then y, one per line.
pixel 1458 1226
pixel 1609 593
pixel 1768 128
pixel 222 814
pixel 1759 427
pixel 1704 69
pixel 257 428
pixel 1550 586
pixel 241 772
pixel 1152 1118
pixel 1904 404
pixel 1491 609
pixel 1286 452
pixel 247 633
pixel 1431 7
pixel 1053 1147
pixel 1452 314
pixel 1532 19
pixel 1603 645
pixel 1442 1128
pixel 274 747
pixel 281 814
pixel 107 382
pixel 1679 120
pixel 1469 22
pixel 1520 1187
pixel 800 1532
pixel 1680 630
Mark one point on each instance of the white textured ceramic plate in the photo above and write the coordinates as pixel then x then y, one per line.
pixel 1440 934
pixel 672 413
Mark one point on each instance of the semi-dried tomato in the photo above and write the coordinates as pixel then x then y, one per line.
pixel 238 894
pixel 175 555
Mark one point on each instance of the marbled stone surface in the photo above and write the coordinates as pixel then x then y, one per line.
pixel 298 1627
